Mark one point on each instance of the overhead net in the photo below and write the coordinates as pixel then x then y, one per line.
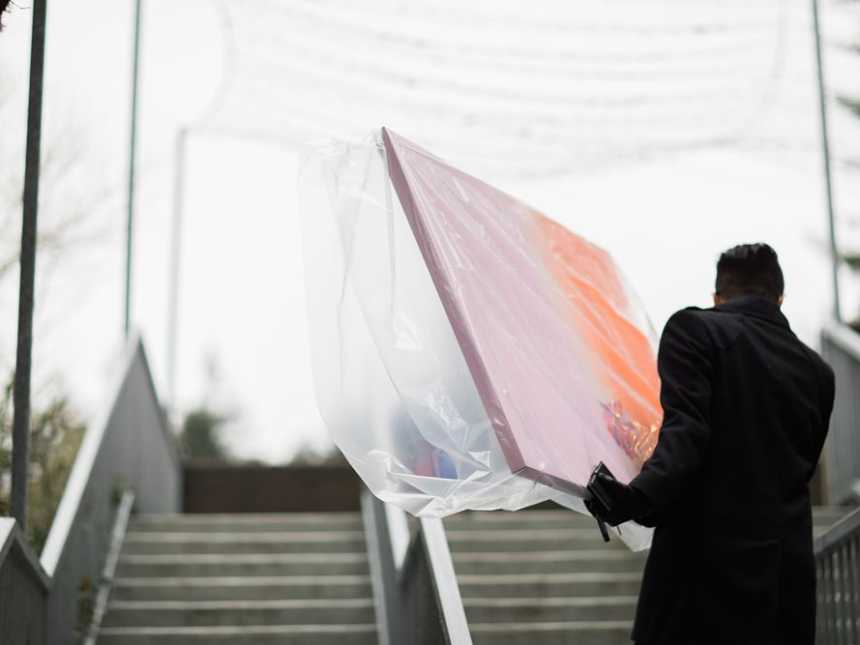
pixel 561 87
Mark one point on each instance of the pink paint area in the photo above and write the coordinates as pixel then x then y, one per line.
pixel 544 321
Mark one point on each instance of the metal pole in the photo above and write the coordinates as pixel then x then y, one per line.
pixel 21 393
pixel 175 264
pixel 132 153
pixel 825 149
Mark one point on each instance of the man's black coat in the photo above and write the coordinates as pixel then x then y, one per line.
pixel 746 409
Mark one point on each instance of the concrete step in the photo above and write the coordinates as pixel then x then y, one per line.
pixel 549 609
pixel 569 561
pixel 546 577
pixel 519 520
pixel 202 613
pixel 550 538
pixel 545 585
pixel 293 579
pixel 591 632
pixel 244 523
pixel 244 564
pixel 242 588
pixel 333 541
pixel 242 635
pixel 559 519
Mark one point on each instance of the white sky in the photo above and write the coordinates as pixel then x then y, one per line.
pixel 664 217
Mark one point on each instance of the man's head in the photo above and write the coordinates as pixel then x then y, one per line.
pixel 748 270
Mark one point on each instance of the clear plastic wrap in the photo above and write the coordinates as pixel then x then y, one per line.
pixel 469 353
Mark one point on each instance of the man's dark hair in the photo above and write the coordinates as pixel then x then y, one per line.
pixel 749 270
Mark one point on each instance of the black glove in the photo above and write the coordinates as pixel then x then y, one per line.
pixel 612 502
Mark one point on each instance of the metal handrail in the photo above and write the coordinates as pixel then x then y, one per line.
pixel 85 462
pixel 398 529
pixel 448 599
pixel 120 526
pixel 130 448
pixel 24 588
pixel 837 565
pixel 844 336
pixel 840 347
pixel 836 535
pixel 415 588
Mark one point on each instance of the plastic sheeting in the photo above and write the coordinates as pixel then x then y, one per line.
pixel 469 352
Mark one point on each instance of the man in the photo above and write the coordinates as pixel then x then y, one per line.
pixel 746 409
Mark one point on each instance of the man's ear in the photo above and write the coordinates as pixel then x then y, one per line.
pixel 781 298
pixel 717 299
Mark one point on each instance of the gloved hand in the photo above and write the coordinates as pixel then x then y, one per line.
pixel 613 502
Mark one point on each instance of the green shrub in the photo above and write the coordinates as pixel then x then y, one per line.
pixel 55 436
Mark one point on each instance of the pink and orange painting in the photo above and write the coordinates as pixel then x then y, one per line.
pixel 560 349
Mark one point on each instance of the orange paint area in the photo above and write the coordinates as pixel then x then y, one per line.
pixel 625 361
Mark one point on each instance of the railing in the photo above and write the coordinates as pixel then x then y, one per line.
pixel 837 564
pixel 120 527
pixel 840 346
pixel 130 448
pixel 415 589
pixel 23 588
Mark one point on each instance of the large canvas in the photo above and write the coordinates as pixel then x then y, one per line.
pixel 559 348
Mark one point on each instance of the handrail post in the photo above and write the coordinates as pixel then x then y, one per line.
pixel 174 284
pixel 447 590
pixel 132 169
pixel 840 347
pixel 23 359
pixel 415 588
pixel 825 152
pixel 838 590
pixel 383 569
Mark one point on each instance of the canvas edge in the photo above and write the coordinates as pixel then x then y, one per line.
pixel 475 363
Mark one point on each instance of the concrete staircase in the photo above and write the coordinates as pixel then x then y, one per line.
pixel 532 577
pixel 292 579
pixel 540 577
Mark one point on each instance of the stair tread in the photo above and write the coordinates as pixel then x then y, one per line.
pixel 224 581
pixel 491 519
pixel 578 576
pixel 560 601
pixel 335 535
pixel 246 517
pixel 228 523
pixel 203 605
pixel 529 556
pixel 228 630
pixel 568 625
pixel 239 558
pixel 528 534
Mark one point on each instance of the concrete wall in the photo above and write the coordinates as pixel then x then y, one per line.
pixel 223 488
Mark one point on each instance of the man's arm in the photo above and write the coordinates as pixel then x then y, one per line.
pixel 685 365
pixel 828 394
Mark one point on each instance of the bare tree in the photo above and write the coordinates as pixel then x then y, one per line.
pixel 70 204
pixel 72 201
pixel 76 203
